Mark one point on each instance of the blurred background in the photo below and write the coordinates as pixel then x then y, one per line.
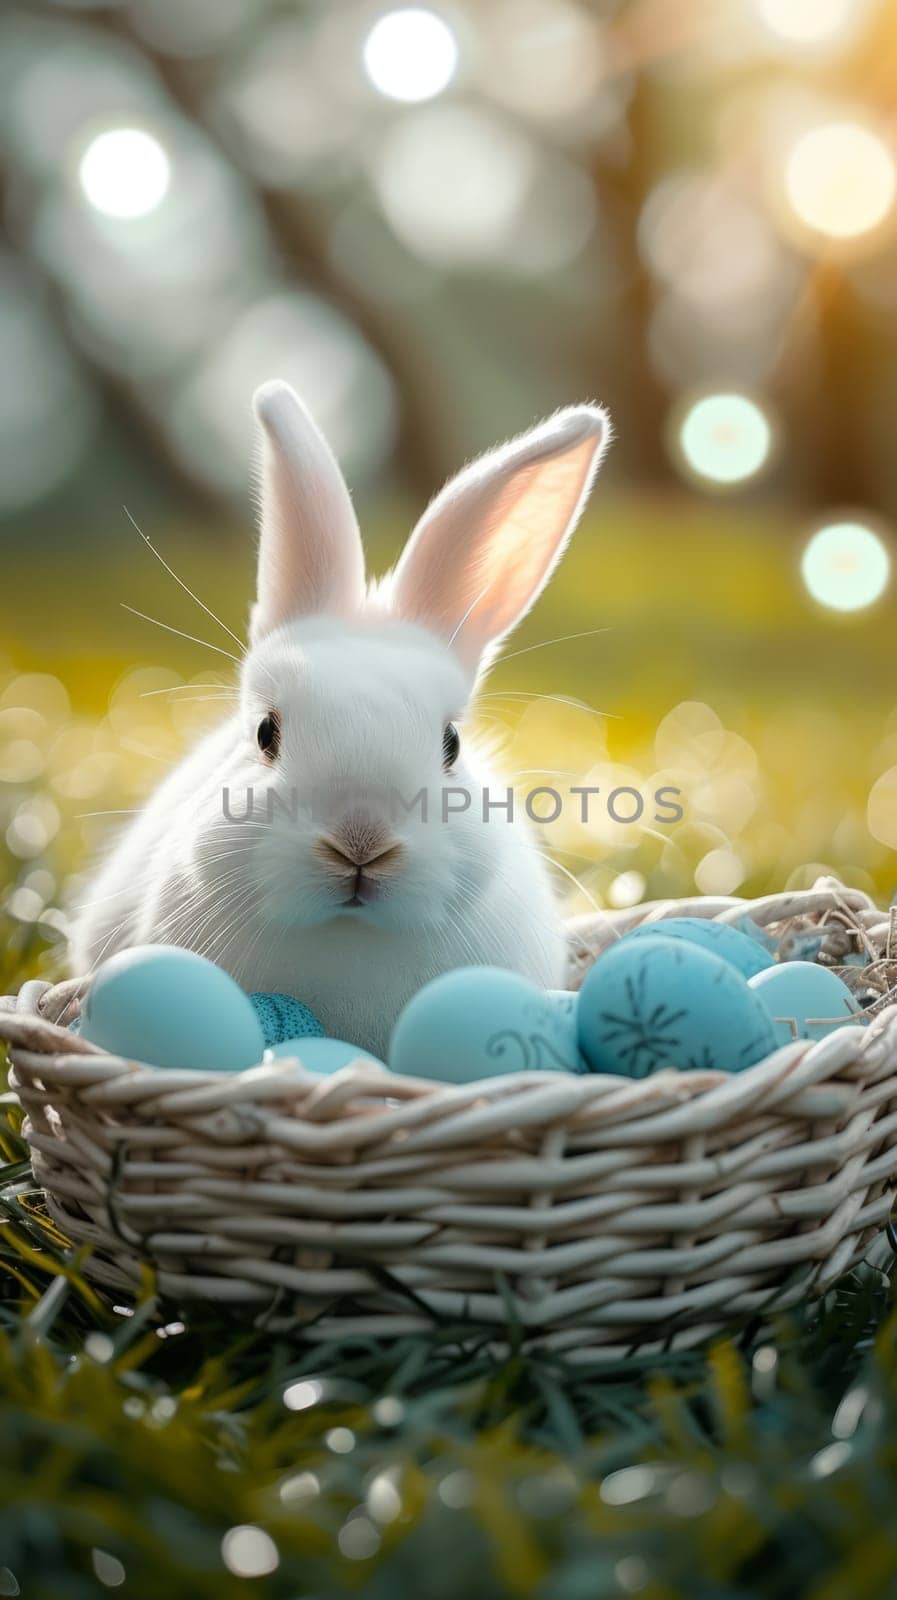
pixel 439 224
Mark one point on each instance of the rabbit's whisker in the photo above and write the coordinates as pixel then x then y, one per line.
pixel 562 638
pixel 190 637
pixel 187 590
pixel 544 772
pixel 178 688
pixel 205 699
pixel 144 750
pixel 134 812
pixel 557 699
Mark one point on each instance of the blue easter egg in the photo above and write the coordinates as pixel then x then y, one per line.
pixel 740 949
pixel 477 1022
pixel 282 1017
pixel 567 1001
pixel 650 1003
pixel 805 1001
pixel 167 1006
pixel 320 1055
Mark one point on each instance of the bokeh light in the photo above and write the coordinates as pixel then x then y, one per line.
pixel 626 889
pixel 557 220
pixel 846 566
pixel 249 1552
pixel 548 59
pixel 726 285
pixel 811 22
pixel 410 54
pixel 690 344
pixel 48 414
pixel 283 105
pixel 881 809
pixel 725 438
pixel 125 173
pixel 721 871
pixel 707 241
pixel 313 346
pixel 148 296
pixel 453 181
pixel 840 179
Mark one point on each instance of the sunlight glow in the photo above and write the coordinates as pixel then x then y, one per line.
pixel 810 22
pixel 410 54
pixel 125 173
pixel 725 438
pixel 846 566
pixel 840 179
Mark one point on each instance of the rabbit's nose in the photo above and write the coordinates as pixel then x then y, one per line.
pixel 379 865
pixel 361 841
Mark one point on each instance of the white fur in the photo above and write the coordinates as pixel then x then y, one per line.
pixel 363 688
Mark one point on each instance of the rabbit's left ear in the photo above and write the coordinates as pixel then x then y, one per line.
pixel 487 545
pixel 310 554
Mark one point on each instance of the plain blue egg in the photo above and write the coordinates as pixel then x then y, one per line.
pixel 741 951
pixel 282 1018
pixel 805 1001
pixel 321 1055
pixel 172 1008
pixel 478 1022
pixel 650 1003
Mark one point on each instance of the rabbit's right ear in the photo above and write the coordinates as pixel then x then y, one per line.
pixel 310 554
pixel 486 546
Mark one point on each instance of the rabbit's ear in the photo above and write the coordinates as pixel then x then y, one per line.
pixel 487 545
pixel 310 555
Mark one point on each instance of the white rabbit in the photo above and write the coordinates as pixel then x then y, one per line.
pixel 330 890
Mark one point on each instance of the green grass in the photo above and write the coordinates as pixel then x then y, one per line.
pixel 132 1446
pixel 429 1466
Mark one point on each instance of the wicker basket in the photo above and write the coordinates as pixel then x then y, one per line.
pixel 595 1213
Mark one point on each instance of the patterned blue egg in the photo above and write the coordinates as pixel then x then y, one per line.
pixel 321 1055
pixel 651 1003
pixel 742 951
pixel 805 1001
pixel 282 1017
pixel 478 1022
pixel 167 1006
pixel 566 1001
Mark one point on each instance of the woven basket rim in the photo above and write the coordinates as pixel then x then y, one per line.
pixel 262 1078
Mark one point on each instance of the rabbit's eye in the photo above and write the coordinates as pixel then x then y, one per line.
pixel 268 735
pixel 451 746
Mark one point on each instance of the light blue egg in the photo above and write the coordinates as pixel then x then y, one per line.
pixel 566 1001
pixel 651 1003
pixel 321 1055
pixel 172 1008
pixel 747 954
pixel 805 1001
pixel 478 1022
pixel 282 1017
